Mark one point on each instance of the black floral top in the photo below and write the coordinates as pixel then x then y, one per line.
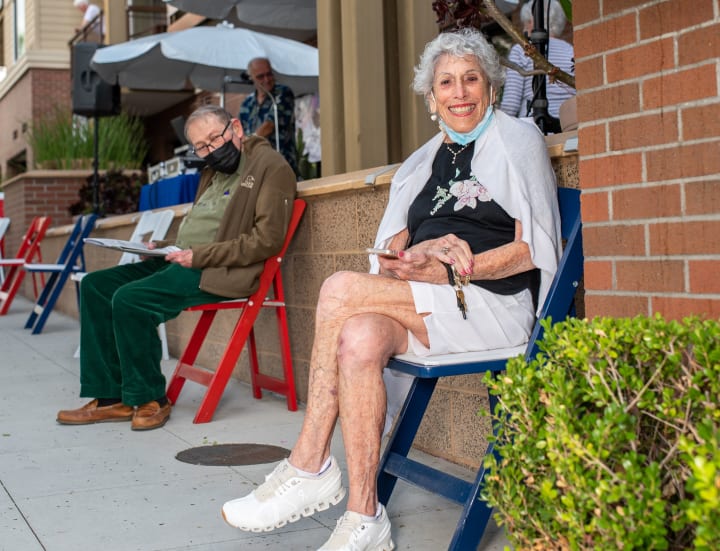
pixel 454 201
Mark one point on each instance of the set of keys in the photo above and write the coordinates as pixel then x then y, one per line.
pixel 458 282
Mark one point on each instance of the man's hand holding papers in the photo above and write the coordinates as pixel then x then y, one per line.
pixel 141 249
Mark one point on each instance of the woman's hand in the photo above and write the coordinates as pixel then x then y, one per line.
pixel 415 266
pixel 450 249
pixel 424 261
pixel 184 258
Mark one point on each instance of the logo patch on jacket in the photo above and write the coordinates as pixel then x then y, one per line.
pixel 248 182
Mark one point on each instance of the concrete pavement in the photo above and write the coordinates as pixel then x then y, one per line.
pixel 108 488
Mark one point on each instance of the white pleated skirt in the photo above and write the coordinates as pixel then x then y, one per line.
pixel 493 321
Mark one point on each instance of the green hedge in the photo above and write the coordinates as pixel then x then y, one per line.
pixel 610 438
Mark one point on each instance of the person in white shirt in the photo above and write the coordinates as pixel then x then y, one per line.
pixel 90 12
pixel 518 91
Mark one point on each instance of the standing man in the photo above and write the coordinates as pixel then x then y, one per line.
pixel 238 220
pixel 257 114
pixel 90 12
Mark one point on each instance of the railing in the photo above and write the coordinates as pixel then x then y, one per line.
pixel 92 32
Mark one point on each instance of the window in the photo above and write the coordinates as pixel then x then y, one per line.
pixel 19 29
pixel 146 17
pixel 3 69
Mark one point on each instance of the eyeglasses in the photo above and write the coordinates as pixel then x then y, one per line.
pixel 263 76
pixel 215 142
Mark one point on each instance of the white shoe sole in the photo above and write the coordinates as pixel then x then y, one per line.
pixel 306 512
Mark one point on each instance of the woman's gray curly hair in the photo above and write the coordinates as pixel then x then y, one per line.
pixel 459 44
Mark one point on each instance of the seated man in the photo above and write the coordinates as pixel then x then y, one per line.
pixel 239 219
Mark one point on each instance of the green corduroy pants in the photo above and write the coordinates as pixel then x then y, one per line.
pixel 120 309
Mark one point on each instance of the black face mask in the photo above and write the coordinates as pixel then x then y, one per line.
pixel 224 159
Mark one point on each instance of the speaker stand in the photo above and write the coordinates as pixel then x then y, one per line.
pixel 96 164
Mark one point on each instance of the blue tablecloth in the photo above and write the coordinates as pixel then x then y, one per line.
pixel 169 191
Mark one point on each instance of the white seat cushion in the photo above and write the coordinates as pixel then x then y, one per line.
pixel 464 357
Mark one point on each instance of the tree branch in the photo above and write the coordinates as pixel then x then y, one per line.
pixel 543 66
pixel 517 68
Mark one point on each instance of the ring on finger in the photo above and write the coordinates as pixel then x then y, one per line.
pixel 445 250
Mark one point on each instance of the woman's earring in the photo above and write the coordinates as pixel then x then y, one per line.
pixel 433 117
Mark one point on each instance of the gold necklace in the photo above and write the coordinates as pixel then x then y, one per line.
pixel 456 153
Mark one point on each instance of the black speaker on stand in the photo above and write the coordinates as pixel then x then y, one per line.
pixel 92 97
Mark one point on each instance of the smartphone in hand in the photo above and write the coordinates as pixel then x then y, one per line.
pixel 390 253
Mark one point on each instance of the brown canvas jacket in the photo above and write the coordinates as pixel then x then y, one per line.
pixel 254 225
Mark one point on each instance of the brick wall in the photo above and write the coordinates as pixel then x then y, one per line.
pixel 35 96
pixel 51 89
pixel 15 114
pixel 649 139
pixel 39 193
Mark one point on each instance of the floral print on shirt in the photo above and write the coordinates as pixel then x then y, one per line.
pixel 467 193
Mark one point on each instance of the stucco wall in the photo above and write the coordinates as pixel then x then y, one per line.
pixel 341 219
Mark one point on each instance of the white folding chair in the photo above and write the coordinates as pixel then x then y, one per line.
pixel 151 226
pixel 4 223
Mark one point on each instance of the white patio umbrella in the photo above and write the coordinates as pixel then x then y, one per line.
pixel 206 57
pixel 281 14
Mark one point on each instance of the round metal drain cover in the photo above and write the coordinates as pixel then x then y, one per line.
pixel 225 455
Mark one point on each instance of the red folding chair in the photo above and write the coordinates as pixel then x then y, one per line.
pixel 28 251
pixel 242 333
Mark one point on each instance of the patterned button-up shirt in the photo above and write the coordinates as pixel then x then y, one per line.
pixel 252 115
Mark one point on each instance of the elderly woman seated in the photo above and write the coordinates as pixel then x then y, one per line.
pixel 473 219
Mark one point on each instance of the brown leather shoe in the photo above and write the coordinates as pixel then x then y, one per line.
pixel 91 413
pixel 150 416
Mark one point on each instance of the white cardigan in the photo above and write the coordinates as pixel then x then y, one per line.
pixel 510 159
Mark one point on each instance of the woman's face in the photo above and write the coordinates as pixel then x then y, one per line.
pixel 460 93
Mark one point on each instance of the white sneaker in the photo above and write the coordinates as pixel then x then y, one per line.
pixel 354 533
pixel 284 497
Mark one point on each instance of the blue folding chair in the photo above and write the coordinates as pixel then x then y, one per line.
pixel 71 259
pixel 395 462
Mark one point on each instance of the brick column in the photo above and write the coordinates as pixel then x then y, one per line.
pixel 649 143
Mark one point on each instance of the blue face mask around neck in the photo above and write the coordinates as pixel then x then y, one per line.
pixel 464 138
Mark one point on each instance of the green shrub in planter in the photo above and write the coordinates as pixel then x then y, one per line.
pixel 64 141
pixel 609 438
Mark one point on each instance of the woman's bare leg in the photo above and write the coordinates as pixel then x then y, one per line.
pixel 366 343
pixel 344 295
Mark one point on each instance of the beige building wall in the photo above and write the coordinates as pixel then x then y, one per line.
pixel 49 24
pixel 369 116
pixel 37 79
